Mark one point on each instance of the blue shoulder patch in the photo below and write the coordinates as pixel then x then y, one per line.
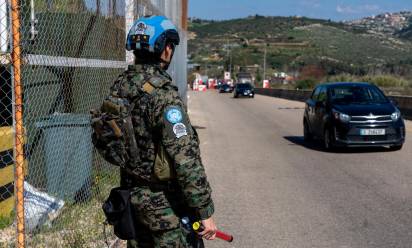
pixel 174 115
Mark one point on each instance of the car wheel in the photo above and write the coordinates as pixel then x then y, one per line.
pixel 328 140
pixel 307 135
pixel 234 96
pixel 395 147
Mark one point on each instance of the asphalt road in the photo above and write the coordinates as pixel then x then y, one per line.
pixel 273 190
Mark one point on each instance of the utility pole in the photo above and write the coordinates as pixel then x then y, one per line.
pixel 97 7
pixel 230 63
pixel 184 14
pixel 264 65
pixel 228 54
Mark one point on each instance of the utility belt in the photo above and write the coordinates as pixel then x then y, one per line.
pixel 169 186
pixel 119 210
pixel 130 180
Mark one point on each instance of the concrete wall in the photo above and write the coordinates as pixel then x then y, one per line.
pixel 404 102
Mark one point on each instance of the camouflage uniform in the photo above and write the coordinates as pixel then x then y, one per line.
pixel 159 209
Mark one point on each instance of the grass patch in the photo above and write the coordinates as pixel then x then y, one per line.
pixel 79 224
pixel 6 221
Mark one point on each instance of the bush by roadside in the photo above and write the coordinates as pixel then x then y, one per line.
pixel 391 84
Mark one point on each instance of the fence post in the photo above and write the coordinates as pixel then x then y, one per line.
pixel 18 122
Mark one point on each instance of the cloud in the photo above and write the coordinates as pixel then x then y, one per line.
pixel 360 9
pixel 310 3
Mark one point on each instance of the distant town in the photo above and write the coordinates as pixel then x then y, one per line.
pixel 387 23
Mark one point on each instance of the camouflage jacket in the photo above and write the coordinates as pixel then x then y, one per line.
pixel 159 116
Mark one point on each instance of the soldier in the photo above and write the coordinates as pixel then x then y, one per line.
pixel 167 177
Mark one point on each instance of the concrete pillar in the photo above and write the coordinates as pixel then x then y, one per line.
pixel 129 19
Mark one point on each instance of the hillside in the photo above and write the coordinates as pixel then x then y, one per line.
pixel 255 27
pixel 406 32
pixel 387 23
pixel 292 43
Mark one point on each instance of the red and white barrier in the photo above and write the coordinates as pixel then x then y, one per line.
pixel 195 85
pixel 202 88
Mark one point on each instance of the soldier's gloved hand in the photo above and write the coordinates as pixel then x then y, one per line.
pixel 209 229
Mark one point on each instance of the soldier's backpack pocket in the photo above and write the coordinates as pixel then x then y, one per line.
pixel 163 166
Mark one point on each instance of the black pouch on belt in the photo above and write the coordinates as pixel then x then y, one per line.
pixel 120 213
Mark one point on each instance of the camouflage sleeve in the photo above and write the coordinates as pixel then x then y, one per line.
pixel 182 144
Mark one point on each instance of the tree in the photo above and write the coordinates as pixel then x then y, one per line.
pixel 258 76
pixel 312 72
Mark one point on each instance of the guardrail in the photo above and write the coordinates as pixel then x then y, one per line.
pixel 7 168
pixel 404 102
pixel 6 172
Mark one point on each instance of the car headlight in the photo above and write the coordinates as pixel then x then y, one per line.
pixel 341 116
pixel 396 115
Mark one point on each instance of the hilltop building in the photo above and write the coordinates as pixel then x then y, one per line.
pixel 388 23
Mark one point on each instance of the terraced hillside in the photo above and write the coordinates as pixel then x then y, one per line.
pixel 291 43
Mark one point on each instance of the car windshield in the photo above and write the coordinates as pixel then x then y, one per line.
pixel 244 86
pixel 360 94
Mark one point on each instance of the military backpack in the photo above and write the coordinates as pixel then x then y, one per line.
pixel 114 138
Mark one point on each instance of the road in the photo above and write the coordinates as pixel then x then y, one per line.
pixel 273 190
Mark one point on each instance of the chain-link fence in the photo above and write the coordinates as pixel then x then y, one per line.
pixel 52 182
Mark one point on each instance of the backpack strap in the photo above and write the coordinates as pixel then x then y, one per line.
pixel 163 164
pixel 155 81
pixel 148 88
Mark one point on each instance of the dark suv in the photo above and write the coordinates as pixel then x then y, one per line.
pixel 353 114
pixel 225 88
pixel 243 89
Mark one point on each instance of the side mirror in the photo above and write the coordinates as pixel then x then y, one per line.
pixel 320 104
pixel 393 101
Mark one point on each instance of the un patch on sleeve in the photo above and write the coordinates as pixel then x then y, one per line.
pixel 179 129
pixel 174 115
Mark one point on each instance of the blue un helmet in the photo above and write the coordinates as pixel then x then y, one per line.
pixel 151 34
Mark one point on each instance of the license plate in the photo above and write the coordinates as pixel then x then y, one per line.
pixel 372 131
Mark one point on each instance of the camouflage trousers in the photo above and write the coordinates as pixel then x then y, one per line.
pixel 176 238
pixel 159 224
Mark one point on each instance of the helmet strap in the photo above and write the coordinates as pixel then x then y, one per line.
pixel 165 64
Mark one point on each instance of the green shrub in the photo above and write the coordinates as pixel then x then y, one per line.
pixel 342 78
pixel 308 83
pixel 386 81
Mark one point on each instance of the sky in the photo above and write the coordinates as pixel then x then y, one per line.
pixel 337 10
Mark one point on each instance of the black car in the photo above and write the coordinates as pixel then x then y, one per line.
pixel 352 115
pixel 243 89
pixel 225 88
